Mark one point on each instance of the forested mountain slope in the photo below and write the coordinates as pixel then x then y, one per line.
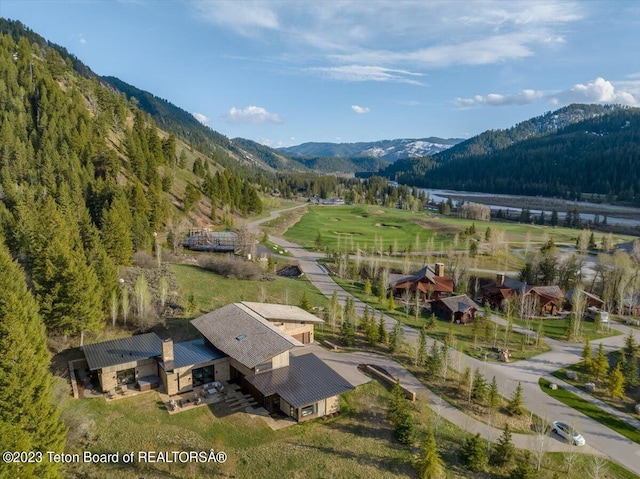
pixel 599 155
pixel 491 141
pixel 86 178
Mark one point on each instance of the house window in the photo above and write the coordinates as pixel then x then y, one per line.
pixel 264 367
pixel 202 376
pixel 127 376
pixel 293 412
pixel 309 410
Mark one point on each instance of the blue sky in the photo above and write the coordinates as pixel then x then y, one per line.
pixel 284 73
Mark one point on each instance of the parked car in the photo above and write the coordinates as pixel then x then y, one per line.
pixel 592 313
pixel 568 433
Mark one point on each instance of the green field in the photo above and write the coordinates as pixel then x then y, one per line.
pixel 556 329
pixel 366 227
pixel 358 443
pixel 212 291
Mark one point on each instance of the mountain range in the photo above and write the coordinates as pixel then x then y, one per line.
pixel 387 150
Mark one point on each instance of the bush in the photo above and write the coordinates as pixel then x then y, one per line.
pixel 230 267
pixel 144 260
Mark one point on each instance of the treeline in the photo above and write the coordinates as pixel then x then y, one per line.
pixel 595 156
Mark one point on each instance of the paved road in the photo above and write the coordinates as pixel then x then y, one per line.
pixel 527 372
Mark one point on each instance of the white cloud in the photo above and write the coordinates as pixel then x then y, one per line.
pixel 201 118
pixel 358 73
pixel 251 114
pixel 377 41
pixel 245 17
pixel 525 97
pixel 596 91
pixel 360 110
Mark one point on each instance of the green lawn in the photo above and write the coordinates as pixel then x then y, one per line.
pixel 212 291
pixel 589 409
pixel 358 443
pixel 625 404
pixel 556 329
pixel 367 227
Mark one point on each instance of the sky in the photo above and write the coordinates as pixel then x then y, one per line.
pixel 284 73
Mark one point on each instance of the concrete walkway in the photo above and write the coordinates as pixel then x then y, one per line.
pixel 527 372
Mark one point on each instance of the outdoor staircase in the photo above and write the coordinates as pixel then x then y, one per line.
pixel 237 401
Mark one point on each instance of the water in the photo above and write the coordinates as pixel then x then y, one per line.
pixel 562 205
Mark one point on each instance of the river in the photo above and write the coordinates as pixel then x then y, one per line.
pixel 621 215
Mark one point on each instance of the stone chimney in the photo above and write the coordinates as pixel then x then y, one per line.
pixel 167 351
pixel 439 269
pixel 500 279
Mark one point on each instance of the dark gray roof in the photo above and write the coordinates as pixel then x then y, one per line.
pixel 282 312
pixel 194 352
pixel 459 303
pixel 305 381
pixel 243 334
pixel 121 351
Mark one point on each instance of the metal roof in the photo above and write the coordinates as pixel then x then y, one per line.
pixel 305 381
pixel 194 352
pixel 282 312
pixel 243 334
pixel 459 303
pixel 123 350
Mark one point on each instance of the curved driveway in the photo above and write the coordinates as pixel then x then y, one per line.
pixel 599 438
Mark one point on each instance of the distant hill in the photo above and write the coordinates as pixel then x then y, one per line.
pixel 494 140
pixel 596 155
pixel 388 150
pixel 273 158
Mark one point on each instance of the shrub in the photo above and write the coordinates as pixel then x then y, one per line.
pixel 230 267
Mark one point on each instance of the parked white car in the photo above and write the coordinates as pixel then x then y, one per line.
pixel 568 433
pixel 592 313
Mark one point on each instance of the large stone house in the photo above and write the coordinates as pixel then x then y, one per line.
pixel 248 343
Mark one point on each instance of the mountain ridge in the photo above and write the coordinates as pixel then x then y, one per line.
pixel 388 150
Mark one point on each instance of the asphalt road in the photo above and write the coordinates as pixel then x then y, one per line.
pixel 600 439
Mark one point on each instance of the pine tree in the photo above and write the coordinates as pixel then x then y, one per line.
pixel 116 231
pixel 524 469
pixel 422 347
pixel 434 360
pixel 400 416
pixel 474 454
pixel 373 335
pixel 631 348
pixel 516 403
pixel 629 369
pixel 430 465
pixel 479 389
pixel 504 452
pixel 616 382
pixel 29 421
pixel 586 354
pixel 347 333
pixel 367 287
pixel 396 338
pixel 600 364
pixel 494 395
pixel 383 336
pixel 304 302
